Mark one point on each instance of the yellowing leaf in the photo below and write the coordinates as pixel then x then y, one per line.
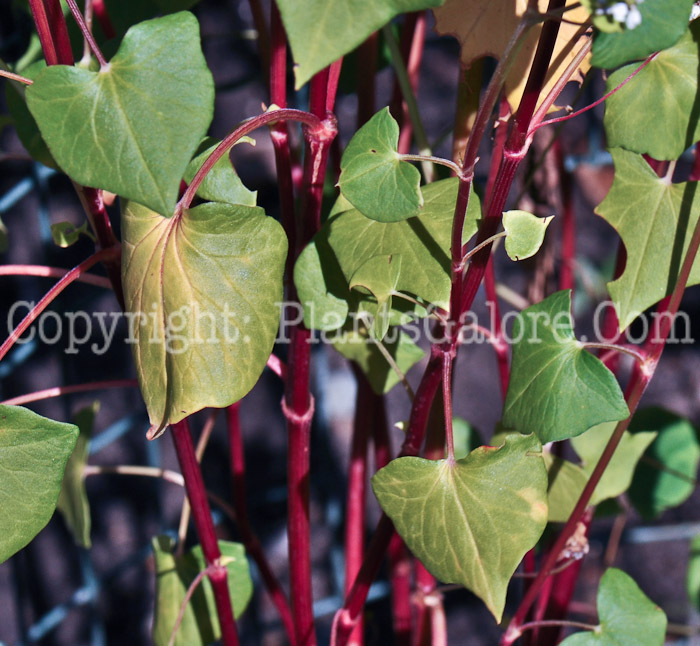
pixel 484 28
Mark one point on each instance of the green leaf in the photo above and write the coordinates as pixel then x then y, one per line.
pixel 360 347
pixel 348 240
pixel 627 616
pixel 692 581
pixel 470 522
pixel 27 130
pixel 202 291
pixel 33 455
pixel 65 234
pixel 465 437
pixel 557 389
pixel 374 179
pixel 221 183
pixel 655 113
pixel 566 484
pixel 73 501
pixel 663 23
pixel 200 623
pixel 666 475
pixel 321 31
pixel 617 477
pixel 655 220
pixel 525 233
pixel 379 276
pixel 132 127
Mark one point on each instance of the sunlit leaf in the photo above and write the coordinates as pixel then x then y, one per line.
pixel 374 179
pixel 73 501
pixel 557 389
pixel 470 522
pixel 65 234
pixel 202 291
pixel 131 128
pixel 617 477
pixel 655 220
pixel 321 31
pixel 200 623
pixel 627 616
pixel 33 455
pixel 655 113
pixel 525 233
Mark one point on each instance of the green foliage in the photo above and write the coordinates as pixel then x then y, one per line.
pixel 618 474
pixel 663 23
pixel 525 233
pixel 200 623
pixel 73 501
pixel 546 354
pixel 132 127
pixel 627 617
pixel 666 475
pixel 655 113
pixel 321 31
pixel 202 289
pixel 222 183
pixel 470 522
pixel 655 220
pixel 566 483
pixel 65 234
pixel 33 455
pixel 374 179
pixel 379 276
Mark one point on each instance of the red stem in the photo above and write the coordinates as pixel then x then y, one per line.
pixel 87 35
pixel 414 31
pixel 46 300
pixel 695 171
pixel 52 272
pixel 100 12
pixel 201 513
pixel 250 540
pixel 58 391
pixel 59 32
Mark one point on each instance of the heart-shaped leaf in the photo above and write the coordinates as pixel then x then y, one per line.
pixel 221 183
pixel 202 292
pixel 470 522
pixel 73 501
pixel 200 623
pixel 665 476
pixel 322 31
pixel 655 220
pixel 627 616
pixel 655 113
pixel 663 23
pixel 33 455
pixel 374 179
pixel 525 233
pixel 617 477
pixel 132 127
pixel 557 389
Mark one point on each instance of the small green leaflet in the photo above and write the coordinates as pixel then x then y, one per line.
pixel 656 112
pixel 557 389
pixel 221 184
pixel 201 291
pixel 525 233
pixel 65 234
pixel 33 455
pixel 617 476
pixel 325 30
pixel 132 127
pixel 655 220
pixel 200 624
pixel 473 521
pixel 663 23
pixel 374 179
pixel 73 502
pixel 627 616
pixel 666 475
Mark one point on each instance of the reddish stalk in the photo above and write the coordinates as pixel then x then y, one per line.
pixel 201 513
pixel 695 171
pixel 87 34
pixel 16 77
pixel 662 325
pixel 59 391
pixel 100 12
pixel 52 272
pixel 46 300
pixel 250 540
